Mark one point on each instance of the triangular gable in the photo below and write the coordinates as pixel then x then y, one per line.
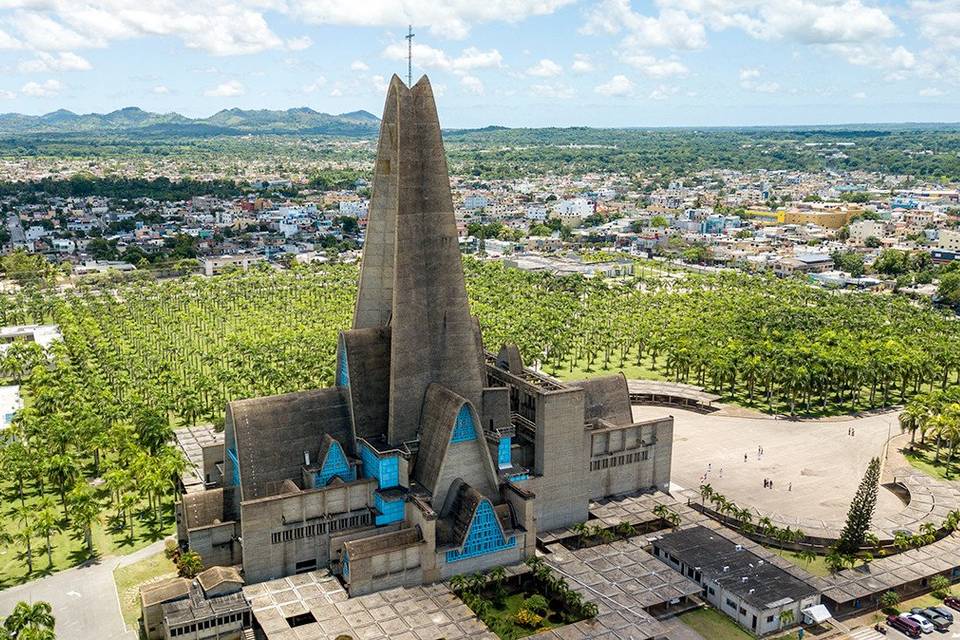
pixel 484 536
pixel 451 447
pixel 335 465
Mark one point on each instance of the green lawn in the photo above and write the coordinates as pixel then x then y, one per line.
pixel 817 567
pixel 630 369
pixel 500 620
pixel 129 579
pixel 922 457
pixel 68 548
pixel 713 625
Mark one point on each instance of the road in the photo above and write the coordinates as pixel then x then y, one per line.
pixel 84 599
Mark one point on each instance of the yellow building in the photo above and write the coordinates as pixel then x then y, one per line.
pixel 828 218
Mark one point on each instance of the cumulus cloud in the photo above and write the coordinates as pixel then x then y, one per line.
pixel 472 84
pixel 931 92
pixel 48 63
pixel 581 64
pixel 228 89
pixel 46 89
pixel 359 65
pixel 546 68
pixel 653 67
pixel 227 27
pixel 617 86
pixel 445 19
pixel 7 95
pixel 429 57
pixel 662 92
pixel 160 90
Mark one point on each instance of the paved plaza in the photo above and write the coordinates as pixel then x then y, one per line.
pixel 815 466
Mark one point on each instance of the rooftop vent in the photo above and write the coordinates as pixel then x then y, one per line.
pixel 739 547
pixel 726 568
pixel 306 458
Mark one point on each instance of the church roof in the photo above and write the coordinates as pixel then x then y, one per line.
pixel 373 545
pixel 368 357
pixel 273 432
pixel 606 398
pixel 440 409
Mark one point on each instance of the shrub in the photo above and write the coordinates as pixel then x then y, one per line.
pixel 889 600
pixel 940 586
pixel 527 618
pixel 189 564
pixel 536 603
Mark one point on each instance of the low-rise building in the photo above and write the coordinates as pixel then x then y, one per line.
pixel 756 594
pixel 212 605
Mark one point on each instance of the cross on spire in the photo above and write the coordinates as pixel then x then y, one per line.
pixel 409 38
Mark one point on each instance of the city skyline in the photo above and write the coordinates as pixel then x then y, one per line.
pixel 555 62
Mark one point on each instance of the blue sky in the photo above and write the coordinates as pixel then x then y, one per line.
pixel 506 62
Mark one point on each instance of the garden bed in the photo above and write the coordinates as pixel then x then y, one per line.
pixel 523 605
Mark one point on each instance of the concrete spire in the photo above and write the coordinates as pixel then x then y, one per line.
pixel 412 277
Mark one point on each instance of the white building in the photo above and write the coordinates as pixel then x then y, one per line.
pixel 949 240
pixel 10 403
pixel 574 207
pixel 863 229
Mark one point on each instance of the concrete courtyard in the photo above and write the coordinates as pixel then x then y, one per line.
pixel 815 465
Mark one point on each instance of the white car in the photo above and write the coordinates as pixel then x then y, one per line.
pixel 925 625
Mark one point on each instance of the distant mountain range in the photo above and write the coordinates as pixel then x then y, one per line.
pixel 136 121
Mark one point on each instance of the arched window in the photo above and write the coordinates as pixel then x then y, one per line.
pixel 485 535
pixel 334 465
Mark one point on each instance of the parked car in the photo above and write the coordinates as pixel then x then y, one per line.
pixel 944 611
pixel 925 625
pixel 953 603
pixel 906 626
pixel 939 622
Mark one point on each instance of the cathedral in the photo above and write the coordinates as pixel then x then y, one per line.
pixel 431 456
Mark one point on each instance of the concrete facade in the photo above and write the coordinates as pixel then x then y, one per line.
pixel 430 457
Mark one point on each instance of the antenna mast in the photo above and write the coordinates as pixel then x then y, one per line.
pixel 409 38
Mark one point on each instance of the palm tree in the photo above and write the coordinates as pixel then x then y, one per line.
pixel 706 493
pixel 47 522
pixel 786 618
pixel 84 512
pixel 30 622
pixel 24 535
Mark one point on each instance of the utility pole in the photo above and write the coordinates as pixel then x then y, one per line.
pixel 409 38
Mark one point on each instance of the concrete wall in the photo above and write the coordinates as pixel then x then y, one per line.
pixel 395 568
pixel 266 559
pixel 514 555
pixel 217 544
pixel 560 461
pixel 630 458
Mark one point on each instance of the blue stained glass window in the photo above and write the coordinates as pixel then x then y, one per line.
pixel 335 465
pixel 236 466
pixel 519 477
pixel 346 564
pixel 503 453
pixel 386 470
pixel 390 510
pixel 343 373
pixel 485 536
pixel 463 430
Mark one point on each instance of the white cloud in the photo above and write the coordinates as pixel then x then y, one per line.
pixel 45 89
pixel 546 68
pixel 48 63
pixel 7 95
pixel 9 42
pixel 300 43
pixel 445 19
pixel 653 67
pixel 662 92
pixel 931 92
pixel 671 28
pixel 428 57
pixel 893 59
pixel 228 89
pixel 555 91
pixel 617 86
pixel 228 27
pixel 379 84
pixel 472 84
pixel 336 92
pixel 315 86
pixel 581 63
pixel 751 80
pixel 161 90
pixel 859 95
pixel 359 65
pixel 939 22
